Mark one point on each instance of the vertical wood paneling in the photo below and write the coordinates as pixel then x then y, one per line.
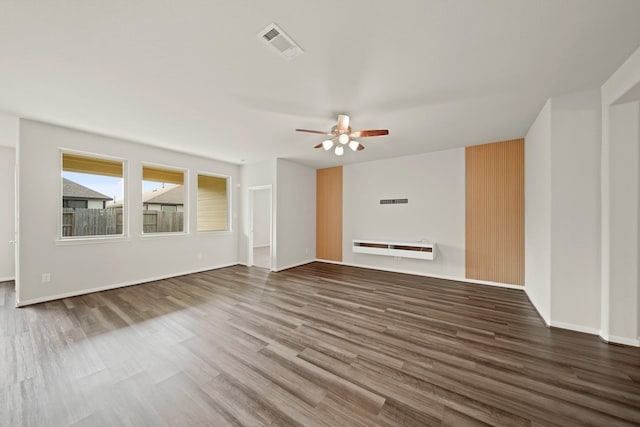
pixel 494 248
pixel 329 214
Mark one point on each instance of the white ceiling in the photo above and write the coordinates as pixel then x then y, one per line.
pixel 192 75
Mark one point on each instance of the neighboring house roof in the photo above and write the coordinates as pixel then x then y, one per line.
pixel 173 195
pixel 73 190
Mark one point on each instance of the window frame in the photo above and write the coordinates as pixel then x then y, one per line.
pixel 104 238
pixel 229 229
pixel 185 202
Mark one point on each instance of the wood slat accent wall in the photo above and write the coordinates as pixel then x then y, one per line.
pixel 494 249
pixel 329 214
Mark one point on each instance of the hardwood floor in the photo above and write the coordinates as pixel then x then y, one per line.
pixel 319 344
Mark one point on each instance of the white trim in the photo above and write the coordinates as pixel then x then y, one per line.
pixel 7 279
pixel 261 246
pixel 293 265
pixel 16 224
pixel 87 240
pixel 548 322
pixel 577 328
pixel 261 187
pixel 634 342
pixel 423 274
pixel 125 194
pixel 164 235
pixel 117 285
pixel 215 233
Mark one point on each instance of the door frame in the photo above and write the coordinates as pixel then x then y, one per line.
pixel 16 225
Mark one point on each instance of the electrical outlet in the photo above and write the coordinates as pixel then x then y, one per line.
pixel 307 251
pixel 199 255
pixel 46 277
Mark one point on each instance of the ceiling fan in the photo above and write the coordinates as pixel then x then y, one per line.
pixel 341 134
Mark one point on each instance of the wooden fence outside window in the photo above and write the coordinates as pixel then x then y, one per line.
pixel 105 222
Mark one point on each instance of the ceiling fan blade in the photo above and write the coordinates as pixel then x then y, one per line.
pixel 320 132
pixel 370 132
pixel 318 146
pixel 343 123
pixel 360 147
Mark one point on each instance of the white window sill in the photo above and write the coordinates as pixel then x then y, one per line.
pixel 216 233
pixel 88 240
pixel 168 235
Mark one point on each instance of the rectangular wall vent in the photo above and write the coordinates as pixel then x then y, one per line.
pixel 393 201
pixel 273 36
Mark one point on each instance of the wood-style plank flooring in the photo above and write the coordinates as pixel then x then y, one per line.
pixel 319 344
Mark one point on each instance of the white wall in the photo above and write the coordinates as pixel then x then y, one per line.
pixel 253 175
pixel 562 211
pixel 575 210
pixel 78 268
pixel 261 217
pixel 296 214
pixel 8 141
pixel 434 183
pixel 7 211
pixel 620 83
pixel 9 125
pixel 537 212
pixel 624 191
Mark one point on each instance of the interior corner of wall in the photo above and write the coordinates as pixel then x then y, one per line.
pixel 546 317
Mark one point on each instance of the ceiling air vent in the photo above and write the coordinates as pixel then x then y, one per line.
pixel 280 42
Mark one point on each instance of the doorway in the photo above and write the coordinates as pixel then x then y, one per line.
pixel 260 231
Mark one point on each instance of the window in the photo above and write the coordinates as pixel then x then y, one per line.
pixel 75 204
pixel 162 200
pixel 213 203
pixel 92 196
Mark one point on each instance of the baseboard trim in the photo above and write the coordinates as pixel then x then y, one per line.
pixel 32 301
pixel 548 322
pixel 422 274
pixel 577 328
pixel 293 265
pixel 623 340
pixel 7 279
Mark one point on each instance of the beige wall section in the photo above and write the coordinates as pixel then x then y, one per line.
pixel 7 218
pixel 624 135
pixel 329 214
pixel 495 212
pixel 295 214
pixel 87 265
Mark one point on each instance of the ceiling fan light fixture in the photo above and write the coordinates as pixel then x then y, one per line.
pixel 327 144
pixel 340 135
